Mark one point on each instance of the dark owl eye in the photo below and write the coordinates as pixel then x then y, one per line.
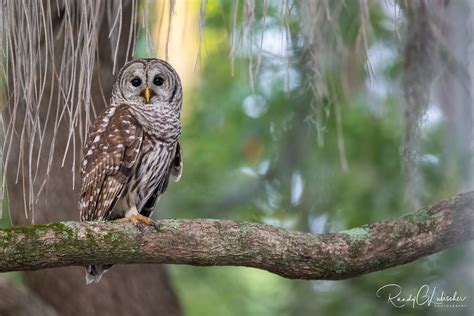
pixel 136 82
pixel 158 81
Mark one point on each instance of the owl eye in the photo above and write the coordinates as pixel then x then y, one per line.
pixel 136 82
pixel 158 81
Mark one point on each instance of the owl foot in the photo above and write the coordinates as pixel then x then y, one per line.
pixel 139 220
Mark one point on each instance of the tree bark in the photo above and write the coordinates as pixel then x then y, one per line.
pixel 204 242
pixel 17 300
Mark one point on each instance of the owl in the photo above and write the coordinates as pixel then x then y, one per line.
pixel 132 149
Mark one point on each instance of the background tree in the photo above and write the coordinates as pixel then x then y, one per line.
pixel 60 60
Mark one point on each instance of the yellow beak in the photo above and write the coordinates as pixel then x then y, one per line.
pixel 147 94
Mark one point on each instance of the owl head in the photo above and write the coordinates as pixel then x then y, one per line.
pixel 148 83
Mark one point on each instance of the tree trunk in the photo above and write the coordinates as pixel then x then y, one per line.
pixel 125 290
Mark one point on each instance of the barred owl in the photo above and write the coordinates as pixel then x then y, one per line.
pixel 132 148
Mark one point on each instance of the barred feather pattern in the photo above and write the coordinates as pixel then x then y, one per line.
pixel 123 167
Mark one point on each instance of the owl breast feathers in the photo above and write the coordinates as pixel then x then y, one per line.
pixel 124 169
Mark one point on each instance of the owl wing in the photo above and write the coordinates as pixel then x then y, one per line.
pixel 175 172
pixel 110 155
pixel 177 164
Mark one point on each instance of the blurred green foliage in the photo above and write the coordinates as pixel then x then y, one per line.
pixel 253 155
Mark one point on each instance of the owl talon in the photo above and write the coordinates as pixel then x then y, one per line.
pixel 141 226
pixel 140 218
pixel 137 219
pixel 156 224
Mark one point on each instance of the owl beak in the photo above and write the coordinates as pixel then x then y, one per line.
pixel 147 94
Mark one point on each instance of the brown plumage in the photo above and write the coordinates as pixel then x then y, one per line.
pixel 132 148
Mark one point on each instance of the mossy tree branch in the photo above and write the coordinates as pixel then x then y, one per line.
pixel 206 242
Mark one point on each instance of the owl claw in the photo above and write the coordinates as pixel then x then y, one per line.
pixel 157 225
pixel 138 220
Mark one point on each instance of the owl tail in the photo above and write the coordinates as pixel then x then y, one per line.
pixel 94 273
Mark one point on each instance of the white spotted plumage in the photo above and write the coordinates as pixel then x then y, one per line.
pixel 132 148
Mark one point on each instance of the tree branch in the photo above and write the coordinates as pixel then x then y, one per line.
pixel 205 242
